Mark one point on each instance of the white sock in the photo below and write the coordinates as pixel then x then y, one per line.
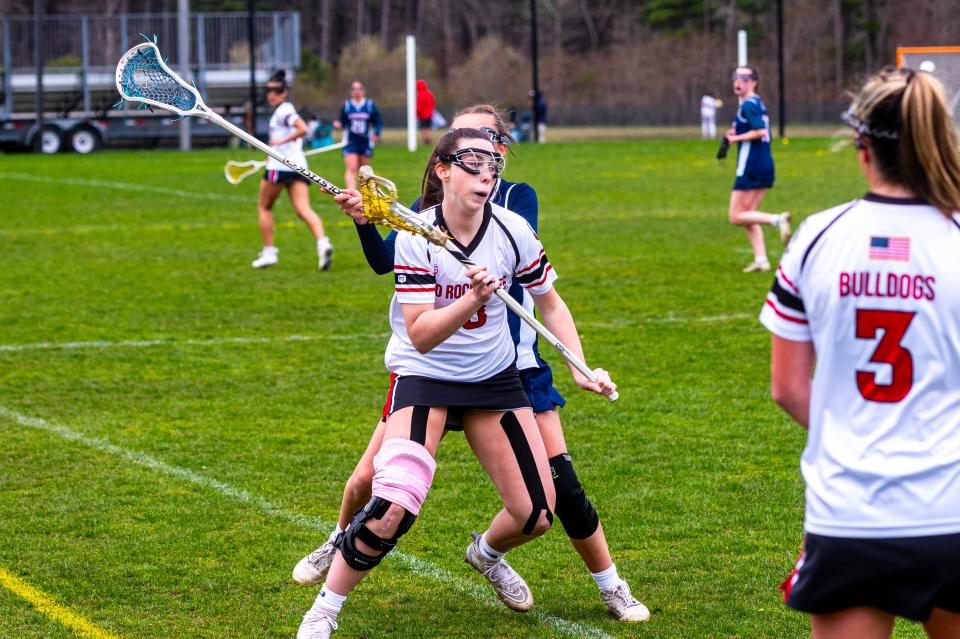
pixel 333 535
pixel 323 242
pixel 270 249
pixel 775 222
pixel 329 600
pixel 607 579
pixel 487 552
pixel 760 259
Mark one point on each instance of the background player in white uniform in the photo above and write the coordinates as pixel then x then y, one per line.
pixel 452 353
pixel 870 290
pixel 287 129
pixel 574 510
pixel 708 116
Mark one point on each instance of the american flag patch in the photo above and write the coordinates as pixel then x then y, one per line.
pixel 890 248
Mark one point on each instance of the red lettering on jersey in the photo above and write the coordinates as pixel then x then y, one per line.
pixel 875 284
pixel 929 281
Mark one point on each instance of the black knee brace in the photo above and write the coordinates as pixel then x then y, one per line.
pixel 347 541
pixel 574 510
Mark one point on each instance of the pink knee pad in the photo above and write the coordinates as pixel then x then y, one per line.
pixel 403 472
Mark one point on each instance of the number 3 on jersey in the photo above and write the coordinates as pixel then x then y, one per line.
pixel 481 319
pixel 889 351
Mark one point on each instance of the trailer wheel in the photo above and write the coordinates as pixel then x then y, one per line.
pixel 84 139
pixel 49 140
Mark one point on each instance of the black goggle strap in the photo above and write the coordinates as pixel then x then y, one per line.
pixel 475 160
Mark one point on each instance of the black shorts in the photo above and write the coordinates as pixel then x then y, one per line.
pixel 502 392
pixel 427 123
pixel 284 177
pixel 907 576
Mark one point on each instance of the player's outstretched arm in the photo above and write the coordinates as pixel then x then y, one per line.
pixel 557 317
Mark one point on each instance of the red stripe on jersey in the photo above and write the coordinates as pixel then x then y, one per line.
pixel 784 316
pixel 543 279
pixel 787 279
pixel 533 265
pixel 429 289
pixel 411 268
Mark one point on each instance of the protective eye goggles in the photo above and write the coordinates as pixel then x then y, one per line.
pixel 476 161
pixel 495 136
pixel 744 77
pixel 277 90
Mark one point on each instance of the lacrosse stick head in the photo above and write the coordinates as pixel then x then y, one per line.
pixel 380 207
pixel 143 76
pixel 236 172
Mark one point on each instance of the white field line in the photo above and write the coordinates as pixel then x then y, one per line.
pixel 414 564
pixel 148 228
pixel 674 319
pixel 124 186
pixel 213 341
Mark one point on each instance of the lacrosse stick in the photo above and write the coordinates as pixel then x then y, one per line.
pixel 380 206
pixel 142 76
pixel 237 172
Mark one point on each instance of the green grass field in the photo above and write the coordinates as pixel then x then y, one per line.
pixel 176 427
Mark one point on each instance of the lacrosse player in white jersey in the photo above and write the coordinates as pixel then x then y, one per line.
pixel 454 358
pixel 867 302
pixel 287 130
pixel 573 508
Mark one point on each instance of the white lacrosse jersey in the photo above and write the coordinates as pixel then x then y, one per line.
pixel 281 125
pixel 875 284
pixel 427 274
pixel 708 106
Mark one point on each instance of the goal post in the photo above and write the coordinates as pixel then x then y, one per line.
pixel 941 62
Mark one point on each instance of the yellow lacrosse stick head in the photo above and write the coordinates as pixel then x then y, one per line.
pixel 380 207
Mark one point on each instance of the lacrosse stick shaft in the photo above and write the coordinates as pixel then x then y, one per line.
pixel 329 147
pixel 266 148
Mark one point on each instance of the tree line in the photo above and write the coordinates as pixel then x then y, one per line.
pixel 600 60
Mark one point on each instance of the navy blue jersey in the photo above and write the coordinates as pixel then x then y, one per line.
pixel 359 119
pixel 518 197
pixel 753 156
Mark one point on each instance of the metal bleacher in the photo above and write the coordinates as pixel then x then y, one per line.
pixel 80 53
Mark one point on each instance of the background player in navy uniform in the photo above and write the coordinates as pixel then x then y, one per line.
pixel 452 353
pixel 755 173
pixel 361 118
pixel 287 131
pixel 574 510
pixel 867 302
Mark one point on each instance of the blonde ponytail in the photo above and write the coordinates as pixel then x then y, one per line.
pixel 912 139
pixel 929 159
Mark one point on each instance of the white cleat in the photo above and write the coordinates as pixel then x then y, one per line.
pixel 266 257
pixel 313 568
pixel 784 227
pixel 509 586
pixel 757 267
pixel 317 624
pixel 325 256
pixel 623 604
